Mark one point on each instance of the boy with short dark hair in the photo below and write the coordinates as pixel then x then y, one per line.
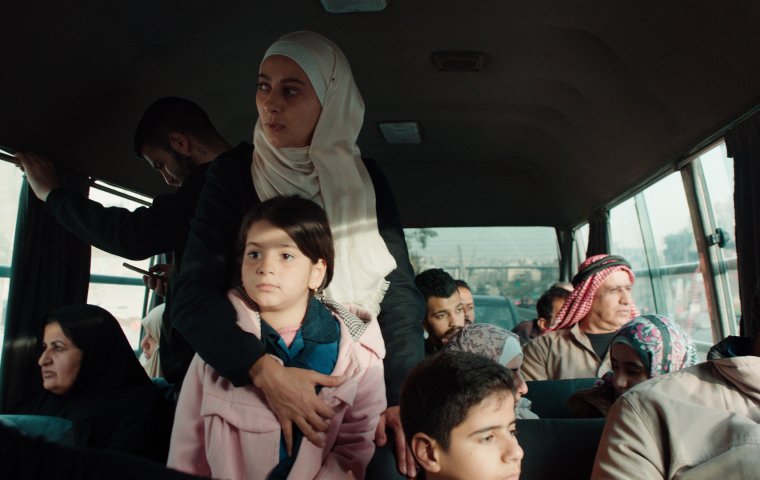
pixel 458 413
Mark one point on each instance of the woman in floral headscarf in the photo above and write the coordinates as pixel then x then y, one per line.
pixel 645 347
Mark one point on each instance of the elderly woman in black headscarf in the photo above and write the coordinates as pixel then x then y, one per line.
pixel 91 376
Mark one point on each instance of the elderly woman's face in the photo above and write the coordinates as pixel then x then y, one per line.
pixel 287 103
pixel 520 386
pixel 60 360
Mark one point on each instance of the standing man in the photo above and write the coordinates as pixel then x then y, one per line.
pixel 465 292
pixel 577 345
pixel 177 139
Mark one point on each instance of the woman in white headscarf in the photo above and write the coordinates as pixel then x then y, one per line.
pixel 310 114
pixel 151 340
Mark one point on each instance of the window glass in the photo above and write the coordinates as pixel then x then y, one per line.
pixel 113 287
pixel 718 169
pixel 10 189
pixel 518 263
pixel 581 245
pixel 626 240
pixel 676 249
pixel 653 231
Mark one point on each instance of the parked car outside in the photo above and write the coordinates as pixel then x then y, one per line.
pixel 496 310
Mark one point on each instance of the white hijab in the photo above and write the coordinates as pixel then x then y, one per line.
pixel 152 325
pixel 330 171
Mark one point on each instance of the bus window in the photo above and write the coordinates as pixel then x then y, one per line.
pixel 664 256
pixel 10 188
pixel 518 263
pixel 581 245
pixel 675 252
pixel 626 240
pixel 113 287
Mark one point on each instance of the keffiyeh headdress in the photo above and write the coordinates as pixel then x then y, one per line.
pixel 591 274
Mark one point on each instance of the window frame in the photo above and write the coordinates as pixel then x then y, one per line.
pixel 149 297
pixel 712 261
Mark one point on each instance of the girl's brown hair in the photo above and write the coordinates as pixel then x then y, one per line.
pixel 303 220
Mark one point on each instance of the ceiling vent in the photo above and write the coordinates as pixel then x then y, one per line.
pixel 459 61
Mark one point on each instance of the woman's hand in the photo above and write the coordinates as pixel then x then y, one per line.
pixel 291 396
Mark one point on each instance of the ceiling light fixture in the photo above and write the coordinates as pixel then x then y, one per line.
pixel 353 6
pixel 400 132
pixel 459 61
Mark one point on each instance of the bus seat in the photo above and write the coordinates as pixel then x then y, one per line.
pixel 54 429
pixel 548 397
pixel 559 447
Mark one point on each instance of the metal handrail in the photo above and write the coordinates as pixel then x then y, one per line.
pixel 114 280
pixel 5 272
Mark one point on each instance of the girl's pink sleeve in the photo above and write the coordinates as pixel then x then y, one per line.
pixel 355 443
pixel 187 451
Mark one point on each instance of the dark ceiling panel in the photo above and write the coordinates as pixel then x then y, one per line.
pixel 576 104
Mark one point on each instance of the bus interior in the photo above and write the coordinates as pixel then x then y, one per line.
pixel 518 137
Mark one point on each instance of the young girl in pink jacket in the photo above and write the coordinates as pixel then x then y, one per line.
pixel 286 259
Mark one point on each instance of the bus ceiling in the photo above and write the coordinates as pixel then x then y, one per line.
pixel 571 106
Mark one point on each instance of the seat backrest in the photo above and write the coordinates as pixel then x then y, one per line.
pixel 54 429
pixel 549 397
pixel 559 447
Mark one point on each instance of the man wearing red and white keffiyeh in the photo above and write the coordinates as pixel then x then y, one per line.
pixel 577 345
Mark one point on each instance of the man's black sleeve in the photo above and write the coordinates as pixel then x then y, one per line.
pixel 134 234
